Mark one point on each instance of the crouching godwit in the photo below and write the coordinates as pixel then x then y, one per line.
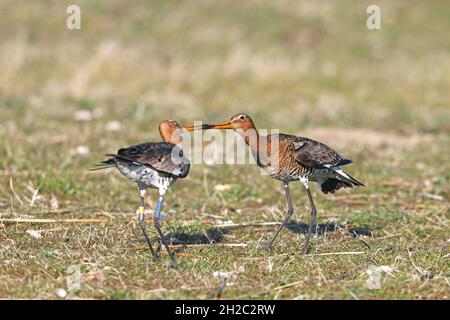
pixel 153 165
pixel 297 158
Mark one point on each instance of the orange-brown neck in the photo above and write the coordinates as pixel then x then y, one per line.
pixel 251 138
pixel 171 135
pixel 259 145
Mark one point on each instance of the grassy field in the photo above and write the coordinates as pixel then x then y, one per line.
pixel 310 68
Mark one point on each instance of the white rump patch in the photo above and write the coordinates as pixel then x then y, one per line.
pixel 342 174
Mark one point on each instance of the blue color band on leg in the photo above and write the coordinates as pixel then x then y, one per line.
pixel 158 208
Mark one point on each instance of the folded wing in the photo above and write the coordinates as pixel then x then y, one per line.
pixel 314 154
pixel 161 156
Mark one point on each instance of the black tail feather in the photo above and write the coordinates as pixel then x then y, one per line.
pixel 110 163
pixel 344 162
pixel 354 181
pixel 342 180
pixel 333 185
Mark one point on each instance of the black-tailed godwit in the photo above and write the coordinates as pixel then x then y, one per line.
pixel 298 159
pixel 153 165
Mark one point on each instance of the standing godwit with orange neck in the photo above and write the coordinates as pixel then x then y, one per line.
pixel 291 158
pixel 153 165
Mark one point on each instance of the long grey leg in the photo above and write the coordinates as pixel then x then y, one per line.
pixel 269 245
pixel 141 220
pixel 158 228
pixel 312 223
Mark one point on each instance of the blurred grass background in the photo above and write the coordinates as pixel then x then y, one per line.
pixel 311 68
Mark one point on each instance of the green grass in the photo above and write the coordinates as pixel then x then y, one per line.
pixel 310 68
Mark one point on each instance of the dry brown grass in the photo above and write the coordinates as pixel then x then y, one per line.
pixel 308 68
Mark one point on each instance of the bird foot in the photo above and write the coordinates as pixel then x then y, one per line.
pixel 158 246
pixel 268 246
pixel 174 264
pixel 156 258
pixel 305 250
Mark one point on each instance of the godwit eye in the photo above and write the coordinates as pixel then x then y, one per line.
pixel 242 117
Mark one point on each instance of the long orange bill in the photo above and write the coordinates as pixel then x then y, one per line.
pixel 192 128
pixel 221 125
pixel 218 125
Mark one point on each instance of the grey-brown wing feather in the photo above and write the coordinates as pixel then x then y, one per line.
pixel 161 156
pixel 314 154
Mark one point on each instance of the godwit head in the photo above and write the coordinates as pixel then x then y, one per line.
pixel 240 123
pixel 170 131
